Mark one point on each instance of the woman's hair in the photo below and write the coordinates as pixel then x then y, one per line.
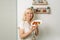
pixel 24 18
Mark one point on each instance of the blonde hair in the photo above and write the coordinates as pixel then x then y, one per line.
pixel 24 18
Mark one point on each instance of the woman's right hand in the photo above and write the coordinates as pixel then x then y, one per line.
pixel 34 27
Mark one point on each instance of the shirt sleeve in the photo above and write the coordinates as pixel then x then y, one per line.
pixel 21 25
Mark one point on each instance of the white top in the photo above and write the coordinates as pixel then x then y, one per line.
pixel 26 26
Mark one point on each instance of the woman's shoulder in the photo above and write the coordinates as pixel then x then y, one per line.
pixel 21 24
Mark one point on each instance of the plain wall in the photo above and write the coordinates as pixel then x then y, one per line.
pixel 50 29
pixel 8 20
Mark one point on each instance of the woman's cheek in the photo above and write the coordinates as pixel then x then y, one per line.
pixel 31 15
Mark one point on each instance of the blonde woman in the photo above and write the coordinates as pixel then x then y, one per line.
pixel 25 28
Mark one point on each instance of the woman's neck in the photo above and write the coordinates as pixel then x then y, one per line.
pixel 28 21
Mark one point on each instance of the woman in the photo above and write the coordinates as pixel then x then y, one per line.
pixel 26 31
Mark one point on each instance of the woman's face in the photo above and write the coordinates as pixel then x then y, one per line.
pixel 29 14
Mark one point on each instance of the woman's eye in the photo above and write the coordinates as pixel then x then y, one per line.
pixel 28 13
pixel 31 13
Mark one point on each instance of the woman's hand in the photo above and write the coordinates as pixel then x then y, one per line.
pixel 34 27
pixel 36 32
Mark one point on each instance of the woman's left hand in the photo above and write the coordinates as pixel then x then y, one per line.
pixel 36 31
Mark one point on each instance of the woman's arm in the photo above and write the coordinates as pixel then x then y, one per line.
pixel 24 35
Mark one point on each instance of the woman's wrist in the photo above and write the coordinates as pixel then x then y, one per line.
pixel 36 32
pixel 31 30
